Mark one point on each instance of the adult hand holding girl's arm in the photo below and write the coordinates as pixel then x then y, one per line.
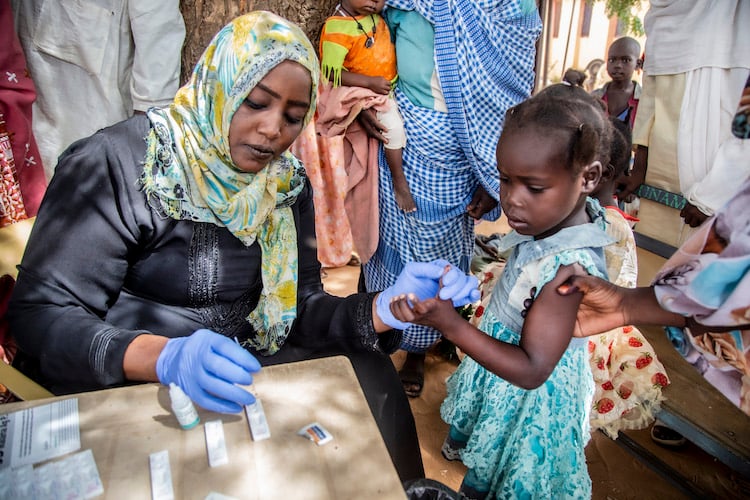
pixel 605 306
pixel 208 366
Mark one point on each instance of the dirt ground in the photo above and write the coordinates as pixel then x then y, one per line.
pixel 615 473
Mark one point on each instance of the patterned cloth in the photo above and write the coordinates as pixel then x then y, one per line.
pixel 188 173
pixel 323 158
pixel 22 181
pixel 627 374
pixel 338 108
pixel 484 55
pixel 529 443
pixel 23 184
pixel 708 279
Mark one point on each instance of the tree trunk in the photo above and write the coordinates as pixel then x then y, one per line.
pixel 204 18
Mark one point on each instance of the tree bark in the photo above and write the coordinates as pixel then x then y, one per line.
pixel 204 18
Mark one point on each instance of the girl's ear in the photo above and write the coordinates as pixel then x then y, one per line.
pixel 608 173
pixel 592 174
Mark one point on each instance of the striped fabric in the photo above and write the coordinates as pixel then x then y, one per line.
pixel 448 156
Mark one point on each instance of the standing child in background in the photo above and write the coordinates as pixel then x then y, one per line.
pixel 622 94
pixel 620 153
pixel 628 377
pixel 574 77
pixel 356 50
pixel 518 404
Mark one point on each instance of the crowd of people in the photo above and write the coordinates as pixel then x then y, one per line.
pixel 205 266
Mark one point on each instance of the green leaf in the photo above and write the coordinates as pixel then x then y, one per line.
pixel 623 9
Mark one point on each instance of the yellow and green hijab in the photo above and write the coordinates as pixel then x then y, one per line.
pixel 189 174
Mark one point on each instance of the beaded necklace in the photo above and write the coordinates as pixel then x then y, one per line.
pixel 370 38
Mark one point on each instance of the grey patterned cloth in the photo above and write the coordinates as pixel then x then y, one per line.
pixel 714 288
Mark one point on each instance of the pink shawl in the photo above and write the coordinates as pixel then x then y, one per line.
pixel 22 173
pixel 337 112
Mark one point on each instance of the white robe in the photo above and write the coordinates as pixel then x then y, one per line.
pixel 699 46
pixel 95 62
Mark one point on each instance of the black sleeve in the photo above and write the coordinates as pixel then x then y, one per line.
pixel 326 322
pixel 77 257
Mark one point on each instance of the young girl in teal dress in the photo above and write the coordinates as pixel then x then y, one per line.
pixel 518 405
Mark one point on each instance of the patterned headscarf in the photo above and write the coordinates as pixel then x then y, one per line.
pixel 189 173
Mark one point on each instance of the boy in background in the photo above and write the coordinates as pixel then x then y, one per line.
pixel 621 95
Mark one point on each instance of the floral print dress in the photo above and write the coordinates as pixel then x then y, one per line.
pixel 628 375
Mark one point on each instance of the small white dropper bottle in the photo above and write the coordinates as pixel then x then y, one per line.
pixel 182 407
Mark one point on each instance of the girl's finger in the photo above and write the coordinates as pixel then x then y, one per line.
pixel 402 311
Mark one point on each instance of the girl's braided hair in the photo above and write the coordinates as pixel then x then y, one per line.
pixel 567 111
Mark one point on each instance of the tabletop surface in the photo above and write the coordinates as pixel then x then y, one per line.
pixel 124 426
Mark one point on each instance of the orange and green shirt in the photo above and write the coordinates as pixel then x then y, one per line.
pixel 342 47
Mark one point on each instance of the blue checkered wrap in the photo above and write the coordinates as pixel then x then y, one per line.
pixel 484 55
pixel 435 230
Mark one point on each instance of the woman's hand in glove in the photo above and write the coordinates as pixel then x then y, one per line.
pixel 425 280
pixel 208 367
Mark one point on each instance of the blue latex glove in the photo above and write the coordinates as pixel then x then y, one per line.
pixel 460 287
pixel 207 366
pixel 423 280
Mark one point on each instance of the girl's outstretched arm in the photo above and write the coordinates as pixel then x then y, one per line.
pixel 546 333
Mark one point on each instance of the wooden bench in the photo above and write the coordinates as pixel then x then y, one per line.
pixel 691 406
pixel 698 411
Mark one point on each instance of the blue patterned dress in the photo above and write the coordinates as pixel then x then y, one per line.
pixel 529 443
